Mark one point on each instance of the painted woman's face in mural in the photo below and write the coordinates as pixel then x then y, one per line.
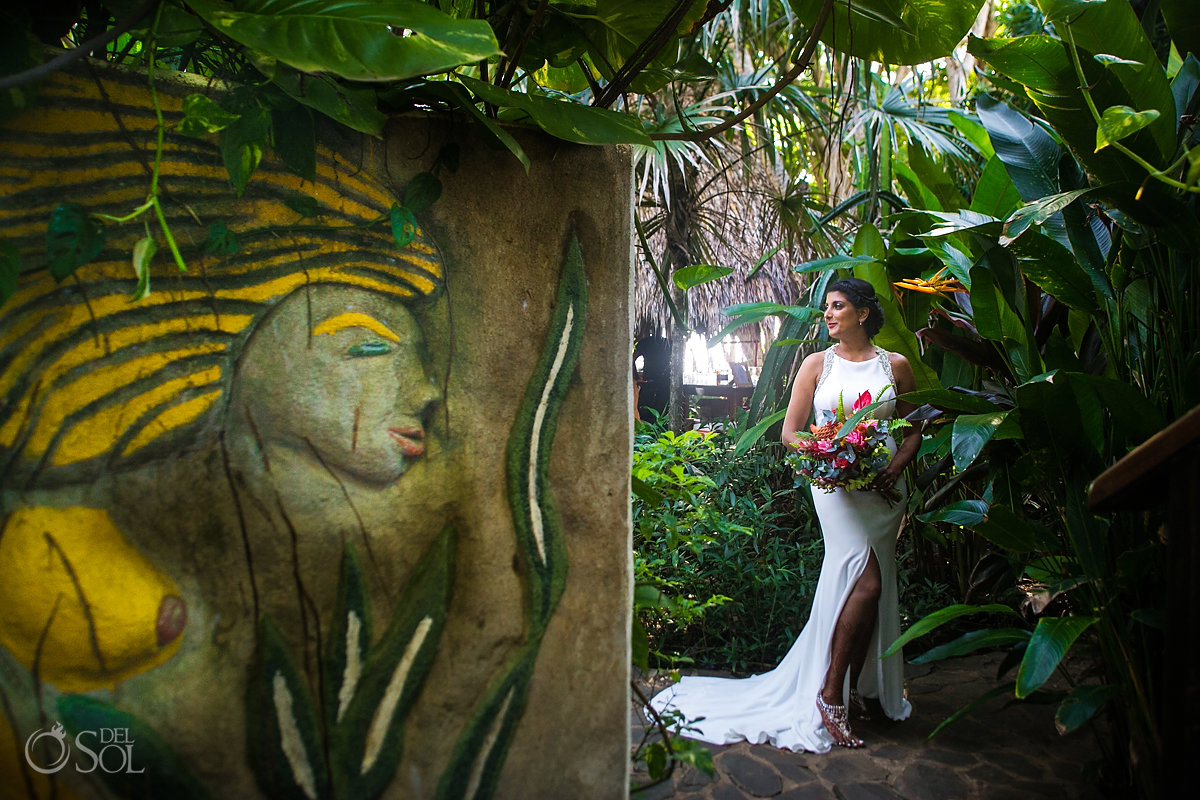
pixel 338 374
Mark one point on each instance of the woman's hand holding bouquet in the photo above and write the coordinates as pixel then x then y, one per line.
pixel 850 462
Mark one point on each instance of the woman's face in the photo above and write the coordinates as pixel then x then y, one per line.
pixel 338 374
pixel 841 315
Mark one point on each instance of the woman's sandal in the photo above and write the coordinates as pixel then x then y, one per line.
pixel 858 706
pixel 834 718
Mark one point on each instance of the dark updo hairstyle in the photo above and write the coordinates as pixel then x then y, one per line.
pixel 861 295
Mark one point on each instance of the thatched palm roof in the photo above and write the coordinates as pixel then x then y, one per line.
pixel 736 222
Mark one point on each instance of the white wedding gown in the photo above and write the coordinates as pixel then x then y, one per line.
pixel 780 706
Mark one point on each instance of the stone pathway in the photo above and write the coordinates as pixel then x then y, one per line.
pixel 994 753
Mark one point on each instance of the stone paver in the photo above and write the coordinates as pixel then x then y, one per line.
pixel 996 753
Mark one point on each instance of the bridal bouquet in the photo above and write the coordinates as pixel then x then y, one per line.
pixel 850 462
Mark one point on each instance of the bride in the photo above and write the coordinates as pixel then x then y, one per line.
pixel 802 703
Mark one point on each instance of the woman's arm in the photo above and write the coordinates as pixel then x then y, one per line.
pixel 907 451
pixel 804 385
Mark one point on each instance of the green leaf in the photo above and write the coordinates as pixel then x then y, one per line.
pixel 355 107
pixel 303 204
pixel 895 336
pixel 1119 122
pixel 243 141
pixel 422 191
pixel 73 239
pixel 639 644
pixel 404 225
pixel 747 439
pixel 143 253
pixel 1029 152
pixel 964 512
pixel 1081 705
pixel 644 491
pixel 950 400
pixel 1004 528
pixel 972 641
pixel 1051 639
pixel 361 40
pixel 565 119
pixel 941 617
pixel 971 433
pixel 1111 61
pixel 10 270
pixel 1055 270
pixel 458 97
pixel 893 32
pixel 294 140
pixel 202 116
pixel 696 274
pixel 154 770
pixel 995 194
pixel 995 692
pixel 833 262
pixel 221 241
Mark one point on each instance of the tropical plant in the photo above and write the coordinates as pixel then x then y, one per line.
pixel 1055 304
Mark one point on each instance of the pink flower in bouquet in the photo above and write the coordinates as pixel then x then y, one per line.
pixel 841 462
pixel 855 438
pixel 862 402
pixel 825 445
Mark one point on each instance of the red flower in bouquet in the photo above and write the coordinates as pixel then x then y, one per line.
pixel 829 462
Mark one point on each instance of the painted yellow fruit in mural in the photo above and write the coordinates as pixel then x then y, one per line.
pixel 79 602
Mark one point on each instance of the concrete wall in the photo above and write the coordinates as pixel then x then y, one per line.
pixel 321 516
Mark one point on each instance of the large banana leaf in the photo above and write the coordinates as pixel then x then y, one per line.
pixel 895 336
pixel 893 31
pixel 1112 28
pixel 362 40
pixel 1051 640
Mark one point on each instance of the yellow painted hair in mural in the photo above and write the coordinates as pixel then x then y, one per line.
pixel 91 380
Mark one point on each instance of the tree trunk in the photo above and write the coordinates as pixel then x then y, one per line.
pixel 679 231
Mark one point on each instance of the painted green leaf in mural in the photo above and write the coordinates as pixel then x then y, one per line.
pixel 73 238
pixel 367 744
pixel 283 737
pixel 151 768
pixel 362 40
pixel 893 31
pixel 349 638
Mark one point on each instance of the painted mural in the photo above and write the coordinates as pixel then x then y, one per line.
pixel 232 504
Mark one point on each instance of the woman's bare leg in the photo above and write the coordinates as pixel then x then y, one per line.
pixel 851 639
